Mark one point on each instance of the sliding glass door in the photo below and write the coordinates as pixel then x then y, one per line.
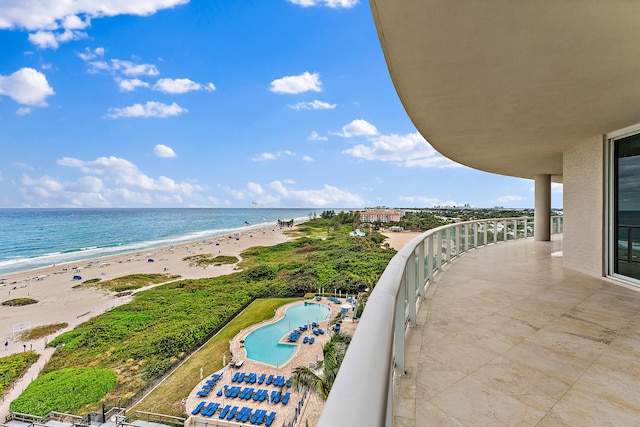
pixel 626 204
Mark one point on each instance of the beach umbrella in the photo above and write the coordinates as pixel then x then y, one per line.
pixel 346 306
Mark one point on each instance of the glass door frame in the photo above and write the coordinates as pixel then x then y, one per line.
pixel 611 238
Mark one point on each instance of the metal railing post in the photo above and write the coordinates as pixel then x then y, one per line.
pixel 430 267
pixel 421 265
pixel 438 250
pixel 411 294
pixel 475 235
pixel 399 328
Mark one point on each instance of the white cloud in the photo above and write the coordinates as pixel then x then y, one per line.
pixel 63 19
pixel 89 54
pixel 26 86
pixel 129 85
pixel 272 156
pixel 117 179
pixel 427 201
pixel 297 84
pixel 23 111
pixel 313 105
pixel 357 127
pixel 254 189
pixel 50 39
pixel 410 150
pixel 264 156
pixel 280 194
pixel 326 196
pixel 315 137
pixel 307 158
pixel 162 150
pixel 176 86
pixel 509 198
pixel 120 66
pixel 328 3
pixel 150 109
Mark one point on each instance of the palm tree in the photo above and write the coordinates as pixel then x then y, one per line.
pixel 333 353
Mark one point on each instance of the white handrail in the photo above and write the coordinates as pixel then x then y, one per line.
pixel 362 394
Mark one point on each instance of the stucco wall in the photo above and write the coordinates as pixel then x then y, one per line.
pixel 583 203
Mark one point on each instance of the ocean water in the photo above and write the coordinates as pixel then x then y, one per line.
pixel 32 238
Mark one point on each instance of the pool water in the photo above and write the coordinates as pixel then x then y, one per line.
pixel 263 343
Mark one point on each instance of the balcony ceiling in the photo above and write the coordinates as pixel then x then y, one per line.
pixel 504 86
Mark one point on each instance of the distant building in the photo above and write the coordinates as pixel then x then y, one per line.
pixel 382 216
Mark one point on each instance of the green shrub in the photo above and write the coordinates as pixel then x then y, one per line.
pixel 65 390
pixel 16 302
pixel 12 367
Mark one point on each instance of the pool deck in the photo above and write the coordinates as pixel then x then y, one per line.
pixel 305 356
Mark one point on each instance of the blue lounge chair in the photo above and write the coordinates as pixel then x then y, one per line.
pixel 311 340
pixel 285 398
pixel 254 417
pixel 249 394
pixel 198 408
pixel 236 391
pixel 203 393
pixel 289 381
pixel 240 413
pixel 232 413
pixel 264 394
pixel 241 377
pixel 246 415
pixel 305 340
pixel 219 393
pixel 213 410
pixel 270 419
pixel 261 379
pixel 277 398
pixel 224 412
pixel 270 379
pixel 235 377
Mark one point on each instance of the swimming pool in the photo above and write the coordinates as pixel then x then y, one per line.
pixel 263 344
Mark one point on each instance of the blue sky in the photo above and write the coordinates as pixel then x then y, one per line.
pixel 178 103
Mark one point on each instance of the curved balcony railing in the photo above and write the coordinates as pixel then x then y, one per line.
pixel 362 394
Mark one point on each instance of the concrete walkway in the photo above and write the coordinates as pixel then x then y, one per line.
pixel 508 337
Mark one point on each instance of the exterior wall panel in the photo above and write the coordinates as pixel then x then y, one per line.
pixel 584 204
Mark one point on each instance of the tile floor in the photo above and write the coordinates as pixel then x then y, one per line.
pixel 508 337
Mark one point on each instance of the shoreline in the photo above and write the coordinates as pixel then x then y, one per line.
pixel 81 255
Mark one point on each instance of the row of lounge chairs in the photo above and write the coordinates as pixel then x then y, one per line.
pixel 251 378
pixel 259 396
pixel 230 412
pixel 309 340
pixel 335 300
pixel 318 331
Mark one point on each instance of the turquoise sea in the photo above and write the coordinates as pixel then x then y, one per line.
pixel 33 238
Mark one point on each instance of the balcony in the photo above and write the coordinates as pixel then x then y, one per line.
pixel 498 335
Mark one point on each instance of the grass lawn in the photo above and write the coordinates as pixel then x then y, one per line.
pixel 167 397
